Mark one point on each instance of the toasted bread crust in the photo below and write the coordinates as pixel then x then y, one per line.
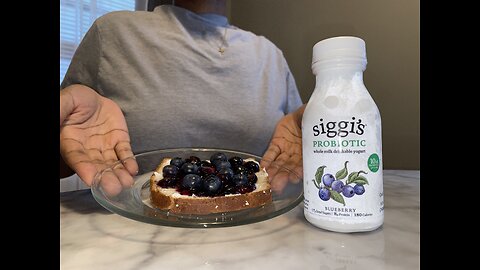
pixel 165 199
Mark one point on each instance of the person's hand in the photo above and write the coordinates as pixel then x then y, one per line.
pixel 283 158
pixel 94 135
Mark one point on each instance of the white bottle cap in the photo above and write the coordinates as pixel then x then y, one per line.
pixel 343 48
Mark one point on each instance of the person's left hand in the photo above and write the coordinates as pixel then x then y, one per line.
pixel 283 158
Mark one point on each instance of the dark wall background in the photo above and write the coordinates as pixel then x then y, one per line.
pixel 390 29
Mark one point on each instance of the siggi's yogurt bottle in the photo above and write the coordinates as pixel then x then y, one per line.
pixel 342 144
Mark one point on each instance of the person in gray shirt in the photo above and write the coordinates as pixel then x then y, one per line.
pixel 180 76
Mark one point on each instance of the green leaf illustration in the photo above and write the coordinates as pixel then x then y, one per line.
pixel 337 197
pixel 316 184
pixel 360 180
pixel 342 173
pixel 319 174
pixel 353 176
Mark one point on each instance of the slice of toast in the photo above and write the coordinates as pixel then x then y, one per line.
pixel 170 199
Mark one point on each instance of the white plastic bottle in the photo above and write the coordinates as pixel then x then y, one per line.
pixel 342 144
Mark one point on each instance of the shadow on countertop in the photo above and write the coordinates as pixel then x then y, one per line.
pixel 81 202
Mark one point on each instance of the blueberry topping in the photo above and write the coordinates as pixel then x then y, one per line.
pixel 218 157
pixel 240 169
pixel 189 168
pixel 252 166
pixel 170 170
pixel 218 177
pixel 177 161
pixel 236 161
pixel 222 165
pixel 194 160
pixel 240 179
pixel 226 173
pixel 252 178
pixel 205 163
pixel 168 182
pixel 192 182
pixel 207 171
pixel 230 189
pixel 245 189
pixel 212 184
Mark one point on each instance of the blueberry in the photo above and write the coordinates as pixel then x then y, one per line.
pixel 348 191
pixel 212 184
pixel 206 168
pixel 203 171
pixel 337 185
pixel 205 163
pixel 222 165
pixel 194 160
pixel 192 182
pixel 328 179
pixel 359 189
pixel 177 161
pixel 227 173
pixel 189 168
pixel 252 178
pixel 245 189
pixel 170 170
pixel 230 189
pixel 240 179
pixel 239 169
pixel 252 166
pixel 324 194
pixel 236 161
pixel 218 157
pixel 168 182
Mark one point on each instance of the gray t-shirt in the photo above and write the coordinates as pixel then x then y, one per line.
pixel 165 71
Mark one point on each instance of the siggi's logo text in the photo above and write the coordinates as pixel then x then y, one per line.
pixel 341 128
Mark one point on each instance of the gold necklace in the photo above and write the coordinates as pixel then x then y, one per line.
pixel 222 47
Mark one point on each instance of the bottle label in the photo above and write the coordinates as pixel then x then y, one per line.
pixel 343 177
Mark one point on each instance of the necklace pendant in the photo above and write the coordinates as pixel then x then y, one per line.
pixel 221 50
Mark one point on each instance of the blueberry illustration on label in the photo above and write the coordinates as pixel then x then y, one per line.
pixel 338 186
pixel 328 179
pixel 332 187
pixel 324 194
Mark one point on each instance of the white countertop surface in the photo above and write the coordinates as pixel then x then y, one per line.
pixel 94 238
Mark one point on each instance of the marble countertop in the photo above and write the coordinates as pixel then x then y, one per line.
pixel 94 238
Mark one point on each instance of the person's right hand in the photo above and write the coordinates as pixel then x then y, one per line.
pixel 94 135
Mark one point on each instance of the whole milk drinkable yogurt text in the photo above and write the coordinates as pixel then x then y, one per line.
pixel 342 144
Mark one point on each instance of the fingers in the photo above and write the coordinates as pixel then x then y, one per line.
pixel 110 183
pixel 270 155
pixel 279 181
pixel 66 105
pixel 124 152
pixel 294 164
pixel 114 180
pixel 83 164
pixel 117 177
pixel 281 177
pixel 123 176
pixel 104 167
pixel 86 171
pixel 282 168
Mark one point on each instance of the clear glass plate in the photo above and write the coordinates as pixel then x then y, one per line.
pixel 134 201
